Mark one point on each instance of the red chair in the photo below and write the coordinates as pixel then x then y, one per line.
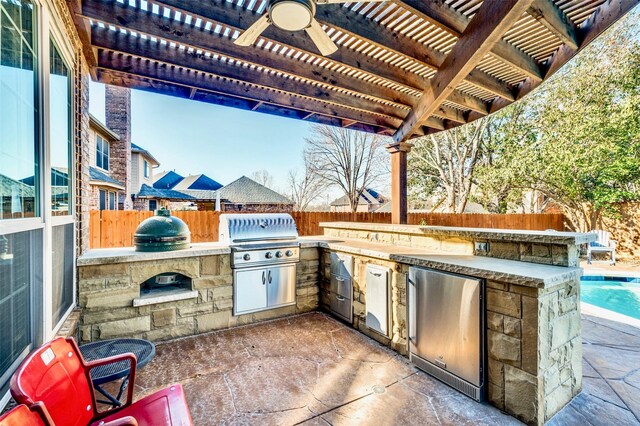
pixel 36 415
pixel 57 375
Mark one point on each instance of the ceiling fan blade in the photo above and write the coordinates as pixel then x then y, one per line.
pixel 251 34
pixel 325 45
pixel 347 1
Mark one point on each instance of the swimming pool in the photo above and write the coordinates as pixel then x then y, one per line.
pixel 618 294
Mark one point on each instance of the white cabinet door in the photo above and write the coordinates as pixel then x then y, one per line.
pixel 250 290
pixel 281 285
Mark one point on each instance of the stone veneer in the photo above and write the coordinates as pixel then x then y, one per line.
pixel 107 292
pixel 545 248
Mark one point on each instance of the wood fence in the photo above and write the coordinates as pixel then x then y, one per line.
pixel 109 228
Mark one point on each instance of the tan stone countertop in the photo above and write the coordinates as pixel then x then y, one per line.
pixel 477 234
pixel 128 254
pixel 516 272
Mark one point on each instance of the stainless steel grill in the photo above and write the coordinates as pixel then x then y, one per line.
pixel 265 252
pixel 260 239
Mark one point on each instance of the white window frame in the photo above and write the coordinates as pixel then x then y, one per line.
pixel 146 169
pixel 50 29
pixel 108 145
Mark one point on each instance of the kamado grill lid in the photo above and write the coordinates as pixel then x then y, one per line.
pixel 162 232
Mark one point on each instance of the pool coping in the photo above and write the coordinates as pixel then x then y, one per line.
pixel 593 310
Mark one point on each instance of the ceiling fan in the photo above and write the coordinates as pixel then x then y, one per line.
pixel 293 15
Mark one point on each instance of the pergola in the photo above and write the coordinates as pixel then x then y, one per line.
pixel 404 68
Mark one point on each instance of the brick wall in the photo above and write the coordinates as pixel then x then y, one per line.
pixel 118 119
pixel 82 152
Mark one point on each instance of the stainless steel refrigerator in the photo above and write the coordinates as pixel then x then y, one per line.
pixel 446 328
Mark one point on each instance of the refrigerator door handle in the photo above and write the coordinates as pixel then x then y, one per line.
pixel 412 310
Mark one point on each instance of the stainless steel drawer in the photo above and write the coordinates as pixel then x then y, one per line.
pixel 341 306
pixel 341 286
pixel 341 265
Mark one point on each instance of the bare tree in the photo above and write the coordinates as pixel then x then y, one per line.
pixel 348 159
pixel 444 164
pixel 306 188
pixel 263 177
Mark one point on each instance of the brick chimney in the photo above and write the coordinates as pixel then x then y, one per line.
pixel 118 119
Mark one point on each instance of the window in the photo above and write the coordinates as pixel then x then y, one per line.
pixel 59 132
pixel 62 294
pixel 146 168
pixel 19 177
pixel 103 199
pixel 153 205
pixel 21 257
pixel 102 153
pixel 112 201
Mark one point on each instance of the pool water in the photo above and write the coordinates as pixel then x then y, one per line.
pixel 618 294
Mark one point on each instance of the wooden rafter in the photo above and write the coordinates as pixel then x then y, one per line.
pixel 230 16
pixel 390 74
pixel 552 17
pixel 485 29
pixel 606 16
pixel 455 23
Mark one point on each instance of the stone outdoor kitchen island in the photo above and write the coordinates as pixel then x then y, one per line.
pixel 533 343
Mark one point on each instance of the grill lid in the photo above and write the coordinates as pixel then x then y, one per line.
pixel 162 232
pixel 259 227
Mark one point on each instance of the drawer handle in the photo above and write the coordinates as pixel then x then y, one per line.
pixel 376 274
pixel 340 279
pixel 340 298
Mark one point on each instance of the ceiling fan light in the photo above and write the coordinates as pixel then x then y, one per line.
pixel 291 15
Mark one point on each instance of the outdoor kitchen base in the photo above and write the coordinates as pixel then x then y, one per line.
pixel 110 295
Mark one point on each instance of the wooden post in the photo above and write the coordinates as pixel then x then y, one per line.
pixel 398 153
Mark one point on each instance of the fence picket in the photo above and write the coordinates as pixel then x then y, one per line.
pixel 116 228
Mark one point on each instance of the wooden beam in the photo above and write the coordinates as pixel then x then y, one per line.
pixel 257 105
pixel 454 22
pixel 487 27
pixel 399 208
pixel 193 93
pixel 119 42
pixel 186 77
pixel 233 16
pixel 153 25
pixel 140 83
pixel 552 17
pixel 605 16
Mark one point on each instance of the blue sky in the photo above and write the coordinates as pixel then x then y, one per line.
pixel 224 143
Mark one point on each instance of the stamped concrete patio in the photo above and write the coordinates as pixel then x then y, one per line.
pixel 312 369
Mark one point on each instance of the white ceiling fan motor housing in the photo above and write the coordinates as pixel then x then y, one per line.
pixel 291 15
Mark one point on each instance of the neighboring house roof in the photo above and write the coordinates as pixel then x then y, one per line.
pixel 167 180
pixel 140 150
pixel 247 191
pixel 200 194
pixel 97 177
pixel 198 182
pixel 169 194
pixel 102 128
pixel 368 196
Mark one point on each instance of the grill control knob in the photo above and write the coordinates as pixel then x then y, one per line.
pixel 289 253
pixel 278 254
pixel 268 255
pixel 247 256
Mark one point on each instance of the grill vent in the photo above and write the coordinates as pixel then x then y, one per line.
pixel 455 382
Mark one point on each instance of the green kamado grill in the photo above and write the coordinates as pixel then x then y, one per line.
pixel 162 232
